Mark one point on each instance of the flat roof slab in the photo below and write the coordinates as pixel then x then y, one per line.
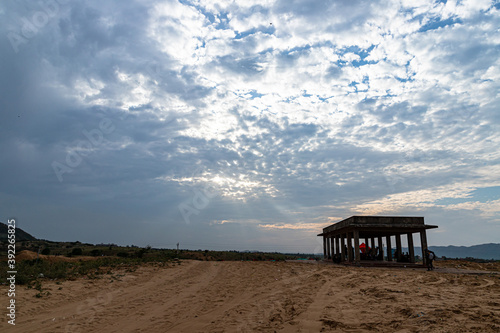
pixel 377 226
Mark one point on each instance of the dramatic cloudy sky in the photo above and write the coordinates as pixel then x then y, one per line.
pixel 248 124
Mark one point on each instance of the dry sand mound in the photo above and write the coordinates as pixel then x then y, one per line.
pixel 199 296
pixel 30 255
pixel 469 265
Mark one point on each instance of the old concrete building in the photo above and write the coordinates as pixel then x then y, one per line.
pixel 341 240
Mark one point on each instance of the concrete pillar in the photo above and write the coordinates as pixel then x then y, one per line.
pixel 332 245
pixel 342 248
pixel 411 251
pixel 423 243
pixel 349 247
pixel 381 246
pixel 337 247
pixel 357 257
pixel 328 253
pixel 324 247
pixel 399 249
pixel 389 248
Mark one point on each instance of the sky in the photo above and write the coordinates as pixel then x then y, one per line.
pixel 248 125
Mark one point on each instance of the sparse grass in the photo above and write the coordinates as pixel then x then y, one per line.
pixel 32 270
pixel 106 259
pixel 37 285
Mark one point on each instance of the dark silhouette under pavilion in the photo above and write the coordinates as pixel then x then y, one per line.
pixel 339 237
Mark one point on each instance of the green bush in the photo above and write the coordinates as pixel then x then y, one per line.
pixel 29 270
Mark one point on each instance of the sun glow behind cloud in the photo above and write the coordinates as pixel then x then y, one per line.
pixel 295 111
pixel 311 227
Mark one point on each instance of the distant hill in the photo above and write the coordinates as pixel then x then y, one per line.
pixel 483 251
pixel 21 235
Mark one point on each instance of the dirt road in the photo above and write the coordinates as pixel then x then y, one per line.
pixel 198 296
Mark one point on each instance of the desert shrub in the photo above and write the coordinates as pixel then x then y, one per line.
pixel 29 270
pixel 140 253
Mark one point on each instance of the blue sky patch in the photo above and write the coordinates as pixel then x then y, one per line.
pixel 437 23
pixel 484 194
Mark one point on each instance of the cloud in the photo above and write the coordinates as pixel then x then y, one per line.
pixel 312 227
pixel 296 111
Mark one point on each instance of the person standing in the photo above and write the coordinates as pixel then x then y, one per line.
pixel 430 256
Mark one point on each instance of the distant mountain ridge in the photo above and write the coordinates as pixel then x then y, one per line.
pixel 21 235
pixel 482 251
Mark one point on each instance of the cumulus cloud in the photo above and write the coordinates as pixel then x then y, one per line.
pixel 295 111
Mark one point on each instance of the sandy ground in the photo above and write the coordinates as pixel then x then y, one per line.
pixel 198 296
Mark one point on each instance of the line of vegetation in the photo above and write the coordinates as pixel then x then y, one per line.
pixel 95 261
pixel 37 269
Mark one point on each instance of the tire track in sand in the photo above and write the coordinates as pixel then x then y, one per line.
pixel 152 300
pixel 311 319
